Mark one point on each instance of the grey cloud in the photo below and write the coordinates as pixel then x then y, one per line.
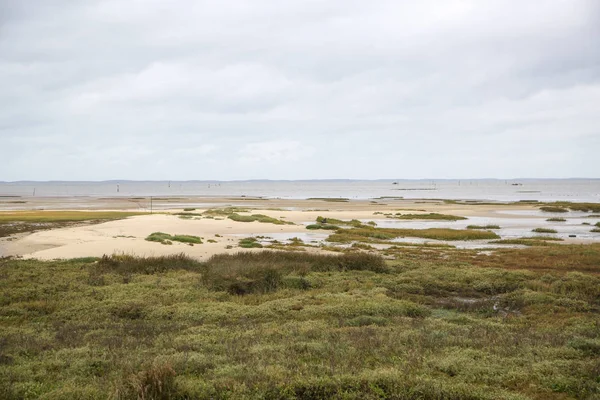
pixel 126 89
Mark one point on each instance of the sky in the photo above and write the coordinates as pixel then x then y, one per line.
pixel 310 89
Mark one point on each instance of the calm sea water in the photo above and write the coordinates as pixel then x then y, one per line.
pixel 498 190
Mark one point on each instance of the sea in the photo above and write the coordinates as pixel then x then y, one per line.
pixel 577 190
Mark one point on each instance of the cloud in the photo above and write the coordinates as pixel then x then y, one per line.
pixel 125 89
pixel 274 152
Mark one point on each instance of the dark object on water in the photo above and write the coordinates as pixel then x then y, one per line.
pixel 572 235
pixel 394 183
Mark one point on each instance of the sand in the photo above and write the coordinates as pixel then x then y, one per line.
pixel 128 235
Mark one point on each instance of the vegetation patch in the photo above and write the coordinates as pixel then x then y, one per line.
pixel 430 216
pixel 249 243
pixel 322 226
pixel 544 230
pixel 556 219
pixel 165 238
pixel 349 235
pixel 585 207
pixel 433 323
pixel 554 209
pixel 259 218
pixel 330 199
pixel 483 227
pixel 595 230
pixel 334 221
pixel 13 222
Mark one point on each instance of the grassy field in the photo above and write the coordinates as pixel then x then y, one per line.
pixel 429 323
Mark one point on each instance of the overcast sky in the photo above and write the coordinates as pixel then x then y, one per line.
pixel 272 89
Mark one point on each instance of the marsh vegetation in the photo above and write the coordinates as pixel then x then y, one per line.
pixel 429 323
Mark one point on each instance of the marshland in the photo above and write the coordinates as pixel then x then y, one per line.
pixel 302 300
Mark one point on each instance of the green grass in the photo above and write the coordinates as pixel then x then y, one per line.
pixel 330 199
pixel 585 207
pixel 13 222
pixel 483 227
pixel 165 238
pixel 595 230
pixel 554 209
pixel 63 216
pixel 189 209
pixel 430 216
pixel 556 219
pixel 334 221
pixel 432 324
pixel 322 226
pixel 257 218
pixel 249 243
pixel 529 241
pixel 544 230
pixel 358 234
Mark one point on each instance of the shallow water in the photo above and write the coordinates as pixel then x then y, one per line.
pixel 483 189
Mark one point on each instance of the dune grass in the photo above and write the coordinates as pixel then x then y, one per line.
pixel 429 324
pixel 483 227
pixel 166 238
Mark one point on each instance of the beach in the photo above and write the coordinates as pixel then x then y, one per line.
pixel 220 234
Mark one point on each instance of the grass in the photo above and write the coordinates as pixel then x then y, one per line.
pixel 63 216
pixel 556 219
pixel 544 230
pixel 554 209
pixel 360 234
pixel 483 227
pixel 13 222
pixel 585 207
pixel 165 238
pixel 257 218
pixel 333 221
pixel 430 216
pixel 528 241
pixel 249 243
pixel 330 199
pixel 432 323
pixel 322 226
pixel 595 230
pixel 223 212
